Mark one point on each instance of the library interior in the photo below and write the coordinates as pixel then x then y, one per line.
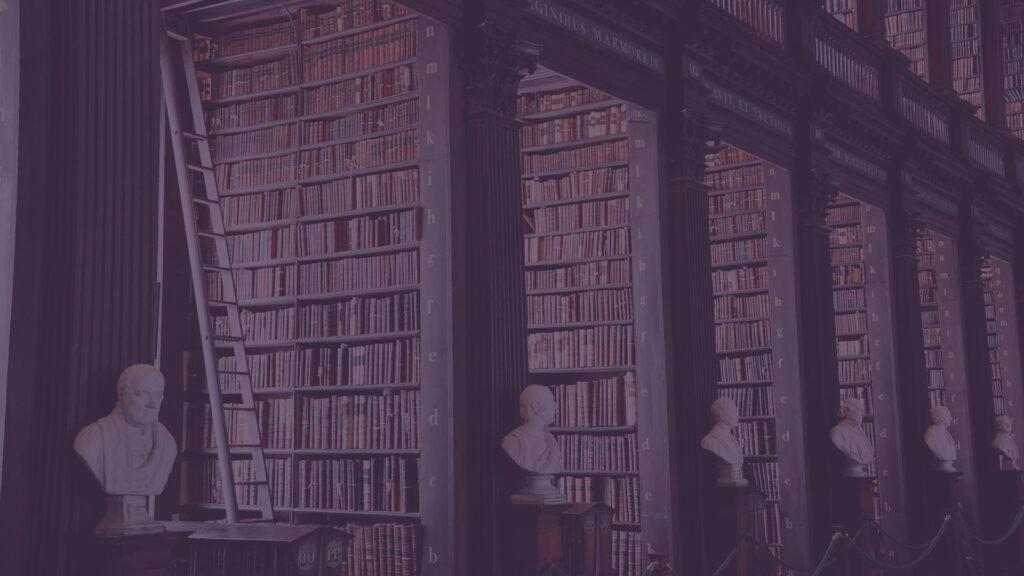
pixel 511 287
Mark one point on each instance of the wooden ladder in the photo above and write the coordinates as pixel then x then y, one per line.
pixel 208 254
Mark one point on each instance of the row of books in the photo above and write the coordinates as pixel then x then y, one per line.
pixel 582 184
pixel 386 549
pixel 267 369
pixel 574 128
pixel 928 296
pixel 622 494
pixel 379 119
pixel 360 315
pixel 360 233
pixel 359 273
pixel 747 368
pixel 347 16
pixel 735 336
pixel 751 401
pixel 241 41
pixel 848 299
pixel 350 54
pixel 902 21
pixel 351 422
pixel 742 177
pixel 273 421
pixel 743 223
pixel 538 102
pixel 843 214
pixel 847 348
pixel 574 158
pixel 258 172
pixel 739 251
pixel 933 358
pixel 728 155
pixel 764 475
pixel 378 364
pixel 583 275
pixel 255 283
pixel 740 307
pixel 854 370
pixel 739 279
pixel 247 80
pixel 269 206
pixel 581 348
pixel 273 139
pixel 567 217
pixel 387 83
pixel 847 254
pixel 590 306
pixel 262 245
pixel 771 523
pixel 604 402
pixel 932 335
pixel 848 274
pixel 757 438
pixel 843 235
pixel 203 482
pixel 252 112
pixel 599 453
pixel 627 553
pixel 851 324
pixel 359 155
pixel 260 325
pixel 598 243
pixel 382 484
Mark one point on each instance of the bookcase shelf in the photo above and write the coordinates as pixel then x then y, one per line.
pixel 271 134
pixel 574 143
pixel 566 171
pixel 571 110
pixel 595 198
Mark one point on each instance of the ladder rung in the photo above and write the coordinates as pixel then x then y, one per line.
pixel 228 338
pixel 213 268
pixel 251 483
pixel 211 235
pixel 238 408
pixel 198 168
pixel 177 36
pixel 245 446
pixel 224 303
pixel 194 136
pixel 204 201
pixel 233 373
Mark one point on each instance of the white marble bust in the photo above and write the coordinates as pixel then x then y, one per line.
pixel 849 437
pixel 1005 444
pixel 129 452
pixel 721 442
pixel 532 447
pixel 940 441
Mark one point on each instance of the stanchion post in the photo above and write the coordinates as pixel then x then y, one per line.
pixel 853 504
pixel 737 510
pixel 943 498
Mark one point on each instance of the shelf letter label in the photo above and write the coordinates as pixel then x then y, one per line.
pixel 435 418
pixel 432 556
pixel 432 68
pixel 433 482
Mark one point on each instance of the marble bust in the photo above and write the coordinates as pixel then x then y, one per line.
pixel 1004 443
pixel 129 452
pixel 721 442
pixel 849 437
pixel 940 441
pixel 533 448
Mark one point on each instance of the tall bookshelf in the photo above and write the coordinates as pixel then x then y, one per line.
pixel 1003 337
pixel 864 339
pixel 965 51
pixel 327 154
pixel 906 29
pixel 1011 18
pixel 589 185
pixel 752 261
pixel 844 10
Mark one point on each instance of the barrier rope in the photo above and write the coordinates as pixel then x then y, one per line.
pixel 826 560
pixel 970 532
pixel 894 540
pixel 928 551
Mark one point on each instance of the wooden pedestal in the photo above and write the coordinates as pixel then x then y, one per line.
pixel 853 504
pixel 735 511
pixel 158 554
pixel 564 539
pixel 942 493
pixel 1008 558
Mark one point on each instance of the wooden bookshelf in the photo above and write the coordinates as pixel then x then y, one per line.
pixel 844 10
pixel 591 289
pixel 906 29
pixel 1003 338
pixel 965 51
pixel 1011 17
pixel 752 268
pixel 335 176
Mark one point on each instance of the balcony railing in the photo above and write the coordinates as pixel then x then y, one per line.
pixel 922 108
pixel 984 148
pixel 766 17
pixel 837 50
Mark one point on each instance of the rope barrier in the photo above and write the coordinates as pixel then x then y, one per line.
pixel 894 540
pixel 930 548
pixel 970 532
pixel 824 562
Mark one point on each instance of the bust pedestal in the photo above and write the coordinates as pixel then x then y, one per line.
pixel 853 504
pixel 734 510
pixel 575 538
pixel 942 493
pixel 127 515
pixel 1008 558
pixel 140 555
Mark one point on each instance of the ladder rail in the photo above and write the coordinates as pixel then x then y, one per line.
pixel 198 284
pixel 250 429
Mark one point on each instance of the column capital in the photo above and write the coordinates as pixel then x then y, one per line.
pixel 907 229
pixel 497 61
pixel 696 142
pixel 820 192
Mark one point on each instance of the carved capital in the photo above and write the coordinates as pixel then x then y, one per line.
pixel 974 257
pixel 907 229
pixel 695 149
pixel 821 191
pixel 497 62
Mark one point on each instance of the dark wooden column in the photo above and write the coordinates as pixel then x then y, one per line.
pixel 904 230
pixel 991 38
pixel 939 61
pixel 693 322
pixel 871 19
pixel 813 192
pixel 495 303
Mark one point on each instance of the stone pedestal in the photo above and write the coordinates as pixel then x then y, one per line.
pixel 1009 557
pixel 127 516
pixel 160 554
pixel 942 497
pixel 565 539
pixel 735 510
pixel 853 504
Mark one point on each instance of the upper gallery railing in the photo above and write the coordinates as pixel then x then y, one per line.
pixel 766 17
pixel 841 55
